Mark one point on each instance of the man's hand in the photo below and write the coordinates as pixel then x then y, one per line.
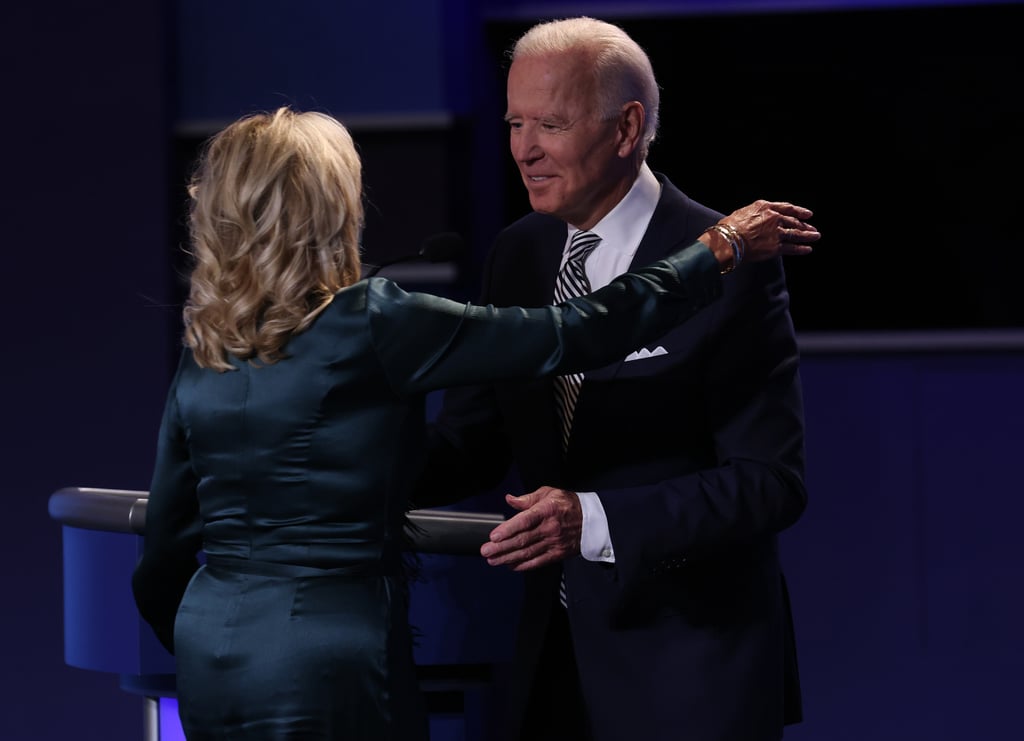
pixel 546 529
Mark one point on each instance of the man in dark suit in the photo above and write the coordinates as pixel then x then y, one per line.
pixel 684 460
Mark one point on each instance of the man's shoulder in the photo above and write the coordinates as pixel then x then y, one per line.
pixel 529 238
pixel 674 198
pixel 534 225
pixel 677 217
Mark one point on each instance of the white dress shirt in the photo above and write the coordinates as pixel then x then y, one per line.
pixel 620 230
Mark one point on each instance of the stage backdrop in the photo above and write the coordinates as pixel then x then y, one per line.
pixel 903 569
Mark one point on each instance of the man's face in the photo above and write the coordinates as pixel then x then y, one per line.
pixel 569 158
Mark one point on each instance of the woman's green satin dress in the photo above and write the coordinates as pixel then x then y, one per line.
pixel 293 480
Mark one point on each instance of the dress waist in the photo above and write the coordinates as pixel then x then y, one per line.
pixel 273 568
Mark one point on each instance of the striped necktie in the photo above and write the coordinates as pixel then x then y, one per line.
pixel 571 282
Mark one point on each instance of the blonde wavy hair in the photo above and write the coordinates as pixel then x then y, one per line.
pixel 275 219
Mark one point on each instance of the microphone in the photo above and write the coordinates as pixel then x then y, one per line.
pixel 443 247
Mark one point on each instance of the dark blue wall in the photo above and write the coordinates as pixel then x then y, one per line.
pixel 86 345
pixel 903 570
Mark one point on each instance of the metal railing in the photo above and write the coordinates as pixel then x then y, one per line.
pixel 124 511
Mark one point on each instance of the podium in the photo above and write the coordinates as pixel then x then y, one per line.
pixel 102 540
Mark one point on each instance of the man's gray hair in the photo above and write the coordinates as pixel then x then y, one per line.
pixel 622 69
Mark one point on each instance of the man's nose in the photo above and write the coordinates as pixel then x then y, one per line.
pixel 526 147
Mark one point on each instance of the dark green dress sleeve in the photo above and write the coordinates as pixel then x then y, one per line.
pixel 425 342
pixel 173 528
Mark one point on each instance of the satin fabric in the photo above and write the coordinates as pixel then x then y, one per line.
pixel 294 479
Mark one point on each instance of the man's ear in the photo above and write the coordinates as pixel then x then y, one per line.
pixel 630 127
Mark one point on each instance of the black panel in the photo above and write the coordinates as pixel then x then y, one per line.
pixel 902 129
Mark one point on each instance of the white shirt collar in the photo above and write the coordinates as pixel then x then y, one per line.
pixel 623 227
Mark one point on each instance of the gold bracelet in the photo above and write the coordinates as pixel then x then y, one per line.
pixel 737 255
pixel 739 246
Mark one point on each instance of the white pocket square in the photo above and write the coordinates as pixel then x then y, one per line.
pixel 643 352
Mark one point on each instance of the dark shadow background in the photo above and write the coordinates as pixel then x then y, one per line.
pixel 902 128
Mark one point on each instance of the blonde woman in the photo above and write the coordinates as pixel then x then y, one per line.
pixel 295 420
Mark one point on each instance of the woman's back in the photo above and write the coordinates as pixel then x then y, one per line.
pixel 297 625
pixel 301 451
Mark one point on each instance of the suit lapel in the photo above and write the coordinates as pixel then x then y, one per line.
pixel 550 259
pixel 675 223
pixel 669 228
pixel 665 233
pixel 526 277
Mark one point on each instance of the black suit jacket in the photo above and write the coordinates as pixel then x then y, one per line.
pixel 697 455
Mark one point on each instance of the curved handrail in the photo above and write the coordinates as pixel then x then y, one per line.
pixel 124 511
